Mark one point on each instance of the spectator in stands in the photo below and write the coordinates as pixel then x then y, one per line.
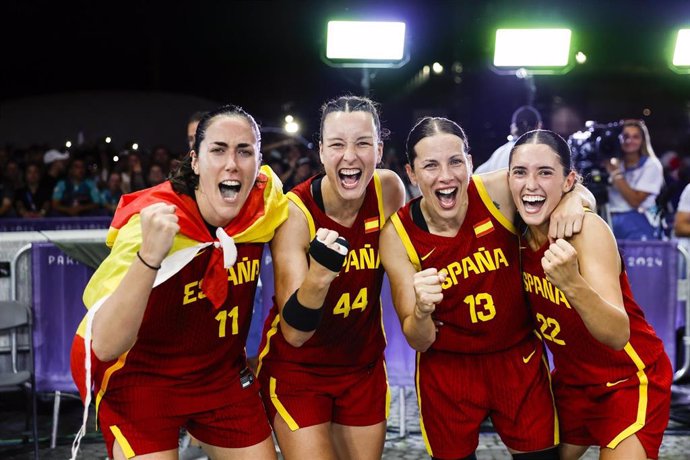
pixel 160 156
pixel 133 174
pixel 674 183
pixel 155 175
pixel 290 158
pixel 525 118
pixel 34 154
pixel 76 195
pixel 5 201
pixel 275 161
pixel 635 181
pixel 12 176
pixel 105 159
pixel 302 171
pixel 110 197
pixel 55 166
pixel 392 161
pixel 32 200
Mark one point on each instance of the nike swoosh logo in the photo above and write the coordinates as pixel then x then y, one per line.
pixel 613 384
pixel 428 254
pixel 528 357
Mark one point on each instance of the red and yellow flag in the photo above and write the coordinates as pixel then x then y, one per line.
pixel 484 227
pixel 371 224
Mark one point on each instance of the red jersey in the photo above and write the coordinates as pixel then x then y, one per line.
pixel 184 344
pixel 351 330
pixel 578 357
pixel 482 308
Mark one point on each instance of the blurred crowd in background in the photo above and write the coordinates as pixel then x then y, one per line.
pixel 89 178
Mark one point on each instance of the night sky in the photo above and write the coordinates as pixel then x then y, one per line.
pixel 266 56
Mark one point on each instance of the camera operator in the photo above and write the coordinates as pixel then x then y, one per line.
pixel 635 180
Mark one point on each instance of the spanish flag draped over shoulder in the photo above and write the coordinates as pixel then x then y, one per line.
pixel 265 209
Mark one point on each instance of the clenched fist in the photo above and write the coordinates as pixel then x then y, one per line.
pixel 428 291
pixel 560 263
pixel 327 252
pixel 158 229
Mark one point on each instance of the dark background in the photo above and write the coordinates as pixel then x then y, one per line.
pixel 139 68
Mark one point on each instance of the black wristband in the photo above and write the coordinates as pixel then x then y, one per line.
pixel 300 317
pixel 152 267
pixel 329 258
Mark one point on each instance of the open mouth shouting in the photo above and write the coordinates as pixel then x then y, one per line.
pixel 533 203
pixel 349 178
pixel 447 197
pixel 229 189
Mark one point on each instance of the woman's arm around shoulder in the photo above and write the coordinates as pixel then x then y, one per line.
pixel 496 185
pixel 566 220
pixel 568 217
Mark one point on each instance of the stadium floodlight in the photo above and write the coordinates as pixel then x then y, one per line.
pixel 681 54
pixel 536 51
pixel 366 44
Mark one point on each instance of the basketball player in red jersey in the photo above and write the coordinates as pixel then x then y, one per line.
pixel 453 262
pixel 170 307
pixel 612 378
pixel 321 361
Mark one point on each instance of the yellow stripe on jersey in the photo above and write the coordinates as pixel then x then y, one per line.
pixel 484 227
pixel 385 368
pixel 271 332
pixel 379 199
pixel 405 238
pixel 310 219
pixel 388 390
pixel 641 403
pixel 122 441
pixel 106 377
pixel 419 404
pixel 280 408
pixel 383 328
pixel 491 206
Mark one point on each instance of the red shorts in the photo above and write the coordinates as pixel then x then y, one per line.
pixel 457 392
pixel 303 398
pixel 239 424
pixel 604 415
